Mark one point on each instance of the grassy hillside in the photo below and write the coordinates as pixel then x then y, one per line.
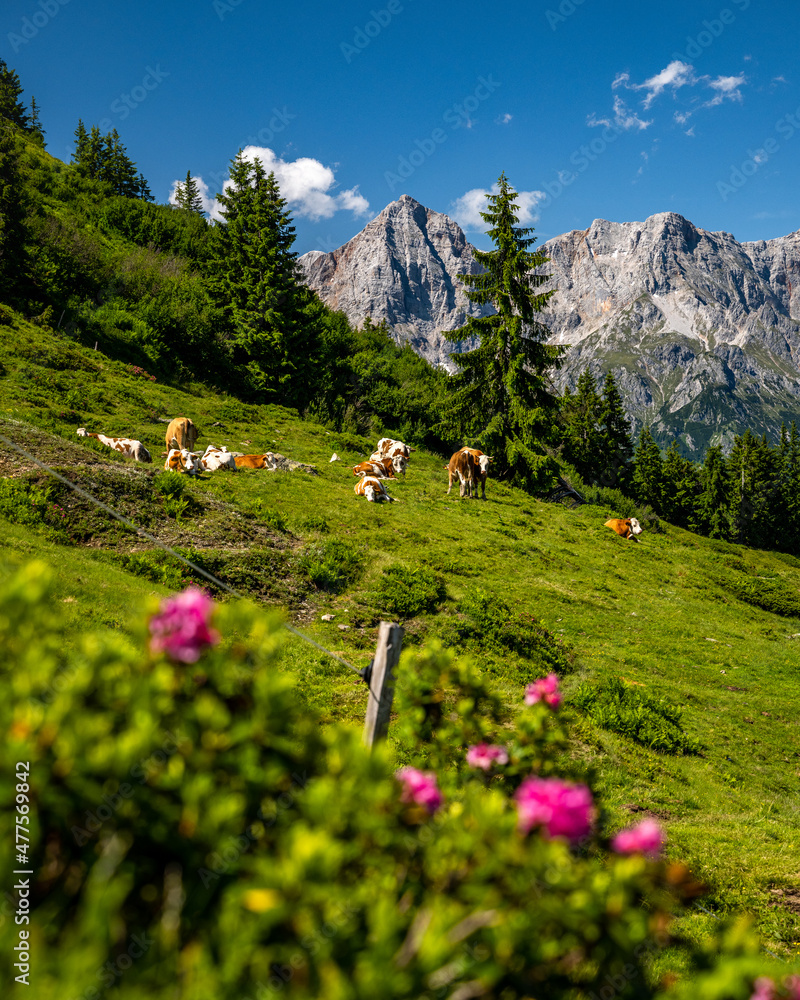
pixel 704 634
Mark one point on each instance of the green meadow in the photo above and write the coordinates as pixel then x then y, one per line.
pixel 680 656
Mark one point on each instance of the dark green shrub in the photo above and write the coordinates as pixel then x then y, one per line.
pixel 629 711
pixel 489 623
pixel 332 564
pixel 769 595
pixel 405 593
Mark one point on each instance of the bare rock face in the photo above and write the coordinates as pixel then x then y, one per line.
pixel 701 332
pixel 401 268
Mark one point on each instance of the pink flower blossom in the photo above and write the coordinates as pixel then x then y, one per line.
pixel 181 629
pixel 420 787
pixel 560 808
pixel 546 690
pixel 764 989
pixel 646 837
pixel 484 755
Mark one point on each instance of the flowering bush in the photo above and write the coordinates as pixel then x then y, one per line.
pixel 197 833
pixel 646 838
pixel 182 627
pixel 485 756
pixel 546 690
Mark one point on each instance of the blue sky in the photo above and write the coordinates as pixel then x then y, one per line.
pixel 593 110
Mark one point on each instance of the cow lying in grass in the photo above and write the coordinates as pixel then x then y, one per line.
pixel 265 461
pixel 373 489
pixel 125 446
pixel 217 458
pixel 627 527
pixel 181 460
pixel 383 469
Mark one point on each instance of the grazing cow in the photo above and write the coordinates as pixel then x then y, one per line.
pixel 125 446
pixel 265 461
pixel 373 489
pixel 383 469
pixel 627 527
pixel 464 465
pixel 181 460
pixel 482 470
pixel 181 434
pixel 217 458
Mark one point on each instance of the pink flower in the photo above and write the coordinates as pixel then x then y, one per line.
pixel 763 989
pixel 484 755
pixel 546 690
pixel 420 787
pixel 646 837
pixel 181 629
pixel 560 808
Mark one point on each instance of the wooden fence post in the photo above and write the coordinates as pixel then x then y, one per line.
pixel 381 682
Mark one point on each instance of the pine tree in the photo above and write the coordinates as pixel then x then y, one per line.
pixel 143 192
pixel 681 490
pixel 753 468
pixel 253 276
pixel 11 107
pixel 187 195
pixel 582 438
pixel 500 397
pixel 14 236
pixel 36 129
pixel 616 440
pixel 648 473
pixel 713 504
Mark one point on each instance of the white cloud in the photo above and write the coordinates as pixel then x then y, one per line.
pixel 676 75
pixel 726 86
pixel 623 118
pixel 466 209
pixel 307 185
pixel 503 119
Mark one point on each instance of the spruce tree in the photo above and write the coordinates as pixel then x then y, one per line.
pixel 11 107
pixel 615 433
pixel 681 490
pixel 14 236
pixel 500 398
pixel 36 129
pixel 187 195
pixel 582 439
pixel 253 276
pixel 648 473
pixel 713 504
pixel 753 468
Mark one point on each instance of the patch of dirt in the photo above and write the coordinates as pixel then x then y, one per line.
pixel 634 809
pixel 788 898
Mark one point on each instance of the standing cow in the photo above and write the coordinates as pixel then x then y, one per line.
pixel 471 467
pixel 181 434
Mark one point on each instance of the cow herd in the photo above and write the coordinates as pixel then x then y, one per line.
pixel 389 460
pixel 180 439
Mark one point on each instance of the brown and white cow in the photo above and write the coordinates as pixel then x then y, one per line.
pixel 181 460
pixel 128 447
pixel 383 469
pixel 387 446
pixel 181 434
pixel 482 471
pixel 373 489
pixel 265 461
pixel 465 466
pixel 627 527
pixel 217 458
